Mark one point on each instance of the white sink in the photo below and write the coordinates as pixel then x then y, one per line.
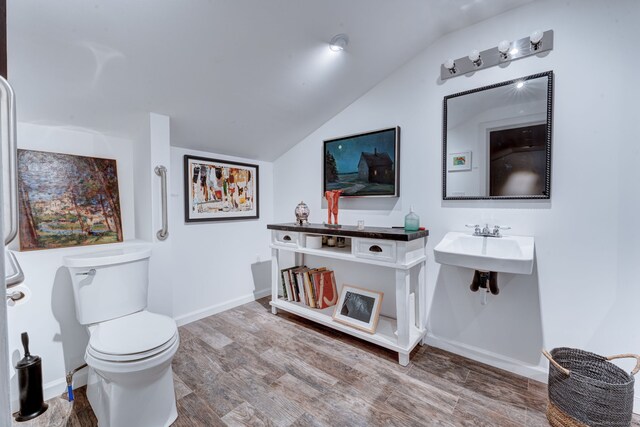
pixel 506 254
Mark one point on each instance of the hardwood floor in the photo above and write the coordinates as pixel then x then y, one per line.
pixel 248 367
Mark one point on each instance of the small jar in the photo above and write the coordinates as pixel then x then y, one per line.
pixel 341 242
pixel 331 241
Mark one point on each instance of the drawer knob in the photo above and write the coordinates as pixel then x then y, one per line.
pixel 286 238
pixel 375 248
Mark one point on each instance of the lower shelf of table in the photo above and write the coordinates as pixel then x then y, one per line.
pixel 385 335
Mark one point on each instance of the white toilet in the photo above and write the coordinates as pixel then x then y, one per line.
pixel 130 349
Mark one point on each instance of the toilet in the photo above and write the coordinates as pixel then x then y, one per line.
pixel 130 349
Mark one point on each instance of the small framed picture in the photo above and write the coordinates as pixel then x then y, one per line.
pixel 219 190
pixel 358 308
pixel 459 161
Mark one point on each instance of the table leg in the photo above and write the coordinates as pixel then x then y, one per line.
pixel 422 299
pixel 275 278
pixel 403 311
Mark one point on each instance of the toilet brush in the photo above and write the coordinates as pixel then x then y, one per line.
pixel 29 384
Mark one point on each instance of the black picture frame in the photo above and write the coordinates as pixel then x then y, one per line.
pixel 549 124
pixel 360 142
pixel 232 198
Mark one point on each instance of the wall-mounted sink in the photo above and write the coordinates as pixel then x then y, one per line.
pixel 506 254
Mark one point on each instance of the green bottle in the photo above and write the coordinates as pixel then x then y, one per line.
pixel 411 221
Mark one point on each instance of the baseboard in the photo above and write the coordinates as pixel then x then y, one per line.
pixel 218 308
pixel 537 373
pixel 57 388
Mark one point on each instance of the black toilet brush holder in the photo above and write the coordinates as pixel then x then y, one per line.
pixel 29 371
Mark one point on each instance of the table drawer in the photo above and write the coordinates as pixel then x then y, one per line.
pixel 287 238
pixel 383 250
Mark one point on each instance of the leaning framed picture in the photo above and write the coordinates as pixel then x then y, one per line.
pixel 459 161
pixel 219 190
pixel 363 165
pixel 358 308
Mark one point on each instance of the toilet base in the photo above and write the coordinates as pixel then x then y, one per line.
pixel 141 399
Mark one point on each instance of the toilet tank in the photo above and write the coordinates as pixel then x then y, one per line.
pixel 109 284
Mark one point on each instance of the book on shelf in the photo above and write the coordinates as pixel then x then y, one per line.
pixel 327 290
pixel 288 287
pixel 298 277
pixel 313 287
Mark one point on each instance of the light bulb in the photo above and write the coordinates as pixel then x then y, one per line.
pixel 339 42
pixel 504 46
pixel 519 85
pixel 474 55
pixel 536 36
pixel 449 64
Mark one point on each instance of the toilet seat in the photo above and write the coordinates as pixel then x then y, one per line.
pixel 133 337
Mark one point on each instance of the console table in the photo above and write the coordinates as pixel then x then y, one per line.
pixel 394 248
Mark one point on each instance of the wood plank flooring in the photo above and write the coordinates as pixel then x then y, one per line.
pixel 248 367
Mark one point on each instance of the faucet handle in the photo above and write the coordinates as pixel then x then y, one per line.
pixel 477 230
pixel 497 228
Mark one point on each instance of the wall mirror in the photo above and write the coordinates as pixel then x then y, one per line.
pixel 497 141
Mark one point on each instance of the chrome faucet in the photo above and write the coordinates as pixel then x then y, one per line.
pixel 486 231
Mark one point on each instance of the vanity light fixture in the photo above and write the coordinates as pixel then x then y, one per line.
pixel 503 48
pixel 519 85
pixel 475 58
pixel 339 42
pixel 506 51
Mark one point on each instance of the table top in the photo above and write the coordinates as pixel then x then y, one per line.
pixel 384 233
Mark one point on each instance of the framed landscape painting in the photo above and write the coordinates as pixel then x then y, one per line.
pixel 363 165
pixel 219 190
pixel 67 200
pixel 358 308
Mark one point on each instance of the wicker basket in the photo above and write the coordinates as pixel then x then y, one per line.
pixel 585 389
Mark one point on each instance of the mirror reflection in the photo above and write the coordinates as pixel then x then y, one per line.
pixel 497 140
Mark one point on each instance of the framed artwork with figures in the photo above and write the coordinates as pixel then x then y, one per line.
pixel 219 190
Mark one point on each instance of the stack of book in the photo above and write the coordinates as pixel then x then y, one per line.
pixel 314 287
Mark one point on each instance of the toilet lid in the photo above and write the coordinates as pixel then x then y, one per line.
pixel 131 334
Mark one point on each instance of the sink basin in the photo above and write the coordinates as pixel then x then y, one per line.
pixel 506 254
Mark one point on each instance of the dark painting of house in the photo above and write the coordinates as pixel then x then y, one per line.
pixel 67 200
pixel 364 164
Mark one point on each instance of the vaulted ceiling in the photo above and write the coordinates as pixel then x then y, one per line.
pixel 239 77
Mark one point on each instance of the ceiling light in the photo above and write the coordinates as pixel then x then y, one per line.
pixel 519 85
pixel 339 42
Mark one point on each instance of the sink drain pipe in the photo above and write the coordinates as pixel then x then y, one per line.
pixel 70 381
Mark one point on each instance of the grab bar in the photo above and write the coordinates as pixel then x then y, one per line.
pixel 13 273
pixel 163 233
pixel 8 99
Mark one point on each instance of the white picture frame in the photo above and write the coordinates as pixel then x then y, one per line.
pixel 358 308
pixel 459 161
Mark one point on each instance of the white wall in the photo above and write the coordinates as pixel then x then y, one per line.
pixel 48 314
pixel 585 279
pixel 220 264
